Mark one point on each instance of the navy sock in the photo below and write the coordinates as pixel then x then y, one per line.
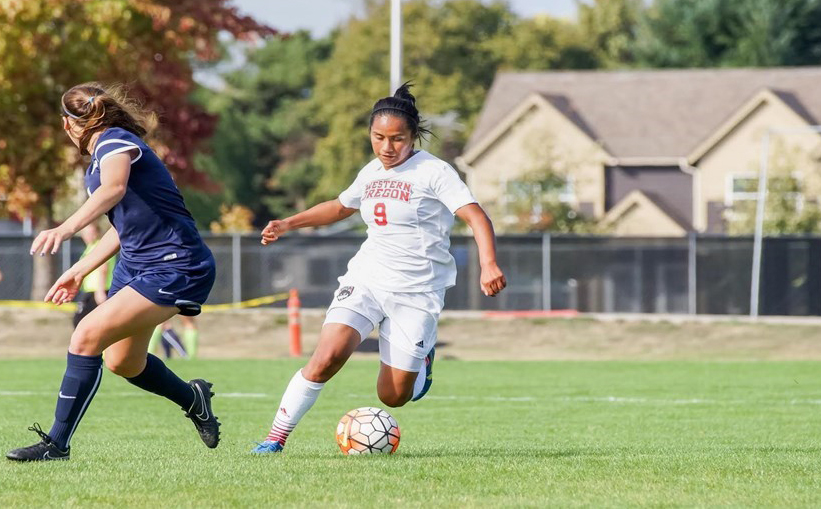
pixel 80 383
pixel 157 378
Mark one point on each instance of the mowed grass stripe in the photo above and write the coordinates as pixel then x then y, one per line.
pixel 590 433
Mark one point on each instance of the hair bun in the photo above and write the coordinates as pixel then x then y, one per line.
pixel 403 93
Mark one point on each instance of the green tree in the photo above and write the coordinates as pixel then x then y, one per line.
pixel 452 51
pixel 543 43
pixel 535 203
pixel 609 27
pixel 706 33
pixel 787 208
pixel 261 149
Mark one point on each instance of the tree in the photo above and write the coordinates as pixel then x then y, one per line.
pixel 609 27
pixel 707 33
pixel 452 51
pixel 233 219
pixel 46 46
pixel 535 203
pixel 543 43
pixel 261 148
pixel 788 207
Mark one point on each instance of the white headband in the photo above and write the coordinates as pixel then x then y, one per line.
pixel 72 115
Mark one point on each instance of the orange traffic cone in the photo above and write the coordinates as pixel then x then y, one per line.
pixel 294 326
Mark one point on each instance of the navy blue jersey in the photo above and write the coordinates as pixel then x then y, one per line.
pixel 153 224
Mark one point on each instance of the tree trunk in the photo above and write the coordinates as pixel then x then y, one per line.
pixel 43 267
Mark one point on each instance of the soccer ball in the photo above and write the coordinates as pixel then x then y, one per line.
pixel 367 430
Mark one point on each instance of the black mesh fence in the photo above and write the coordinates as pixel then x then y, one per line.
pixel 704 274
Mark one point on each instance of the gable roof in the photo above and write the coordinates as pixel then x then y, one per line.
pixel 658 113
pixel 532 102
pixel 639 199
pixel 745 111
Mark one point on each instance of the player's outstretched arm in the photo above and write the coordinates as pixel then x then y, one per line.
pixel 492 279
pixel 114 173
pixel 325 213
pixel 69 283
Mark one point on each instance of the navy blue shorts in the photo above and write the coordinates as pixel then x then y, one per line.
pixel 166 284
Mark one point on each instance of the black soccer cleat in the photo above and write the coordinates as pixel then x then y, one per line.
pixel 44 450
pixel 201 415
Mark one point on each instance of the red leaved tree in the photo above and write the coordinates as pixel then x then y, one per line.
pixel 46 46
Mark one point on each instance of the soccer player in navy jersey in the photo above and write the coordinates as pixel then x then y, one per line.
pixel 164 268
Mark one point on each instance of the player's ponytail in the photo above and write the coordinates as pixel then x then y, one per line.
pixel 95 107
pixel 402 105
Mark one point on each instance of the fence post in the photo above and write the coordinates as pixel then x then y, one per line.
pixel 236 268
pixel 475 271
pixel 67 254
pixel 546 275
pixel 692 280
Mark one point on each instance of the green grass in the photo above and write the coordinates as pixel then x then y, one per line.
pixel 490 434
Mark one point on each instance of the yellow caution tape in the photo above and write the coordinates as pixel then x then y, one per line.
pixel 252 303
pixel 71 307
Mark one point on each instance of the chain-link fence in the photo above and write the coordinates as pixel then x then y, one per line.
pixel 696 274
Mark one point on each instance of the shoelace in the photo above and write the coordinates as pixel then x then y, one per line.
pixel 268 446
pixel 43 435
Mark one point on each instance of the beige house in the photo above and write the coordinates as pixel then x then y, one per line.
pixel 647 153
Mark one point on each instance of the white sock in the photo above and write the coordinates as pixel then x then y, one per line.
pixel 299 397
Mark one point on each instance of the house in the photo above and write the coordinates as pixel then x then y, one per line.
pixel 648 152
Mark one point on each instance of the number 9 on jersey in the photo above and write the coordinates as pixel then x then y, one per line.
pixel 379 215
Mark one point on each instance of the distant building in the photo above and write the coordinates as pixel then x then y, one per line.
pixel 654 152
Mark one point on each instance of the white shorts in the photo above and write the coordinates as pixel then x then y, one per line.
pixel 407 321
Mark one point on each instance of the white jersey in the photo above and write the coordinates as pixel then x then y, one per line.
pixel 409 212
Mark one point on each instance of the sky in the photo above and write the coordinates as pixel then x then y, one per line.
pixel 321 16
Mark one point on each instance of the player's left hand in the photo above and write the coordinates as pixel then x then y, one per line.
pixel 66 288
pixel 492 280
pixel 49 241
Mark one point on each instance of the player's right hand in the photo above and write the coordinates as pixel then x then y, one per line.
pixel 66 288
pixel 49 241
pixel 273 231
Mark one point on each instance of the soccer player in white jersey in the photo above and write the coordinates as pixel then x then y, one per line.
pixel 397 280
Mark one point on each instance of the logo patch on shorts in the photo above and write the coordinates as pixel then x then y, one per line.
pixel 420 344
pixel 344 292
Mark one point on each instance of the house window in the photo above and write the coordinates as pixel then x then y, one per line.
pixel 743 187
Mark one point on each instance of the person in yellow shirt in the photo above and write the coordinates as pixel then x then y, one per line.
pixel 94 290
pixel 166 336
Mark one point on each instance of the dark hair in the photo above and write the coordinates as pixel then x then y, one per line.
pixel 402 105
pixel 95 107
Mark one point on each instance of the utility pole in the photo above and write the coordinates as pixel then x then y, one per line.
pixel 396 45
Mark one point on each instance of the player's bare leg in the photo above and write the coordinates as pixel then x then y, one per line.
pixel 336 344
pixel 395 386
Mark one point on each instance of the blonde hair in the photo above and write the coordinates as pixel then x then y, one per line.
pixel 95 107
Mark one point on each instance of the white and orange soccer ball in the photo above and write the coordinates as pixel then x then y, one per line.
pixel 367 430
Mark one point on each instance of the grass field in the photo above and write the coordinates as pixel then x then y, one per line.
pixel 490 434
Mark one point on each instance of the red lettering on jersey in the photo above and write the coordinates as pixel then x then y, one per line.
pixel 390 189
